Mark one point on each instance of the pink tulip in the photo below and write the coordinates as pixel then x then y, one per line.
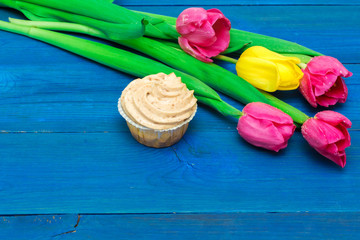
pixel 204 33
pixel 265 126
pixel 327 133
pixel 322 82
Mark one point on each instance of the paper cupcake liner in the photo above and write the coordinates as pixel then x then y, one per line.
pixel 152 137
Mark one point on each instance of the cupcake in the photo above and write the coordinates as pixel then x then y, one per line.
pixel 157 109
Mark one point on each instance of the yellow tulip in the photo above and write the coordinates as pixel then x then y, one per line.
pixel 269 71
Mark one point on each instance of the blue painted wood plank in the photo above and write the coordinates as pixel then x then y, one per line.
pixel 256 226
pixel 78 101
pixel 49 90
pixel 37 226
pixel 207 171
pixel 89 163
pixel 234 2
pixel 331 30
pixel 221 226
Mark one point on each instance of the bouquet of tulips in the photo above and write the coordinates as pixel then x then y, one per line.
pixel 186 46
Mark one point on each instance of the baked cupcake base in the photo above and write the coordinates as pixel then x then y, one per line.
pixel 152 137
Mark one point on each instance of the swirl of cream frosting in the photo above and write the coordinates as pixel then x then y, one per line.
pixel 158 101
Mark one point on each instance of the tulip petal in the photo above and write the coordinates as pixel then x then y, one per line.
pixel 265 126
pixel 260 133
pixel 184 44
pixel 222 36
pixel 338 157
pixel 332 134
pixel 215 15
pixel 286 130
pixel 320 134
pixel 203 35
pixel 207 51
pixel 306 89
pixel 313 133
pixel 190 19
pixel 322 84
pixel 326 101
pixel 290 75
pixel 267 112
pixel 262 52
pixel 340 122
pixel 207 32
pixel 324 65
pixel 339 90
pixel 333 118
pixel 258 72
pixel 346 142
pixel 218 46
pixel 323 78
pixel 327 133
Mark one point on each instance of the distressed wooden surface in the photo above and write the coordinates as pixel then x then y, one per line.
pixel 200 3
pixel 210 226
pixel 64 149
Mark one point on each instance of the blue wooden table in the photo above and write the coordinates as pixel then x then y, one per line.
pixel 69 168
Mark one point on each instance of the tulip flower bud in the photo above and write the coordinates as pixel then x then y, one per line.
pixel 268 70
pixel 265 126
pixel 327 133
pixel 204 33
pixel 322 82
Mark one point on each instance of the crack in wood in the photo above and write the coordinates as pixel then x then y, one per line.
pixel 71 231
pixel 191 165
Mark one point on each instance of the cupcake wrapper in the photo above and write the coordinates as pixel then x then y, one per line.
pixel 152 137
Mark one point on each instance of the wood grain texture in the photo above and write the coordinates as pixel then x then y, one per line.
pixel 65 149
pixel 111 173
pixel 37 227
pixel 312 26
pixel 81 101
pixel 50 90
pixel 334 32
pixel 234 2
pixel 255 226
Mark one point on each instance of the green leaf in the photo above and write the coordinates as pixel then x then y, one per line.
pixel 239 39
pixel 209 73
pixel 124 61
pixel 114 31
pixel 106 11
pixel 100 10
pixel 298 116
pixel 110 56
pixel 221 106
pixel 303 58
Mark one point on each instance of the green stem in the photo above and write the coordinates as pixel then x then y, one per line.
pixel 303 58
pixel 172 55
pixel 113 16
pixel 121 60
pixel 101 10
pixel 210 74
pixel 112 30
pixel 302 65
pixel 169 43
pixel 226 59
pixel 222 107
pixel 239 39
pixel 298 116
pixel 68 27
